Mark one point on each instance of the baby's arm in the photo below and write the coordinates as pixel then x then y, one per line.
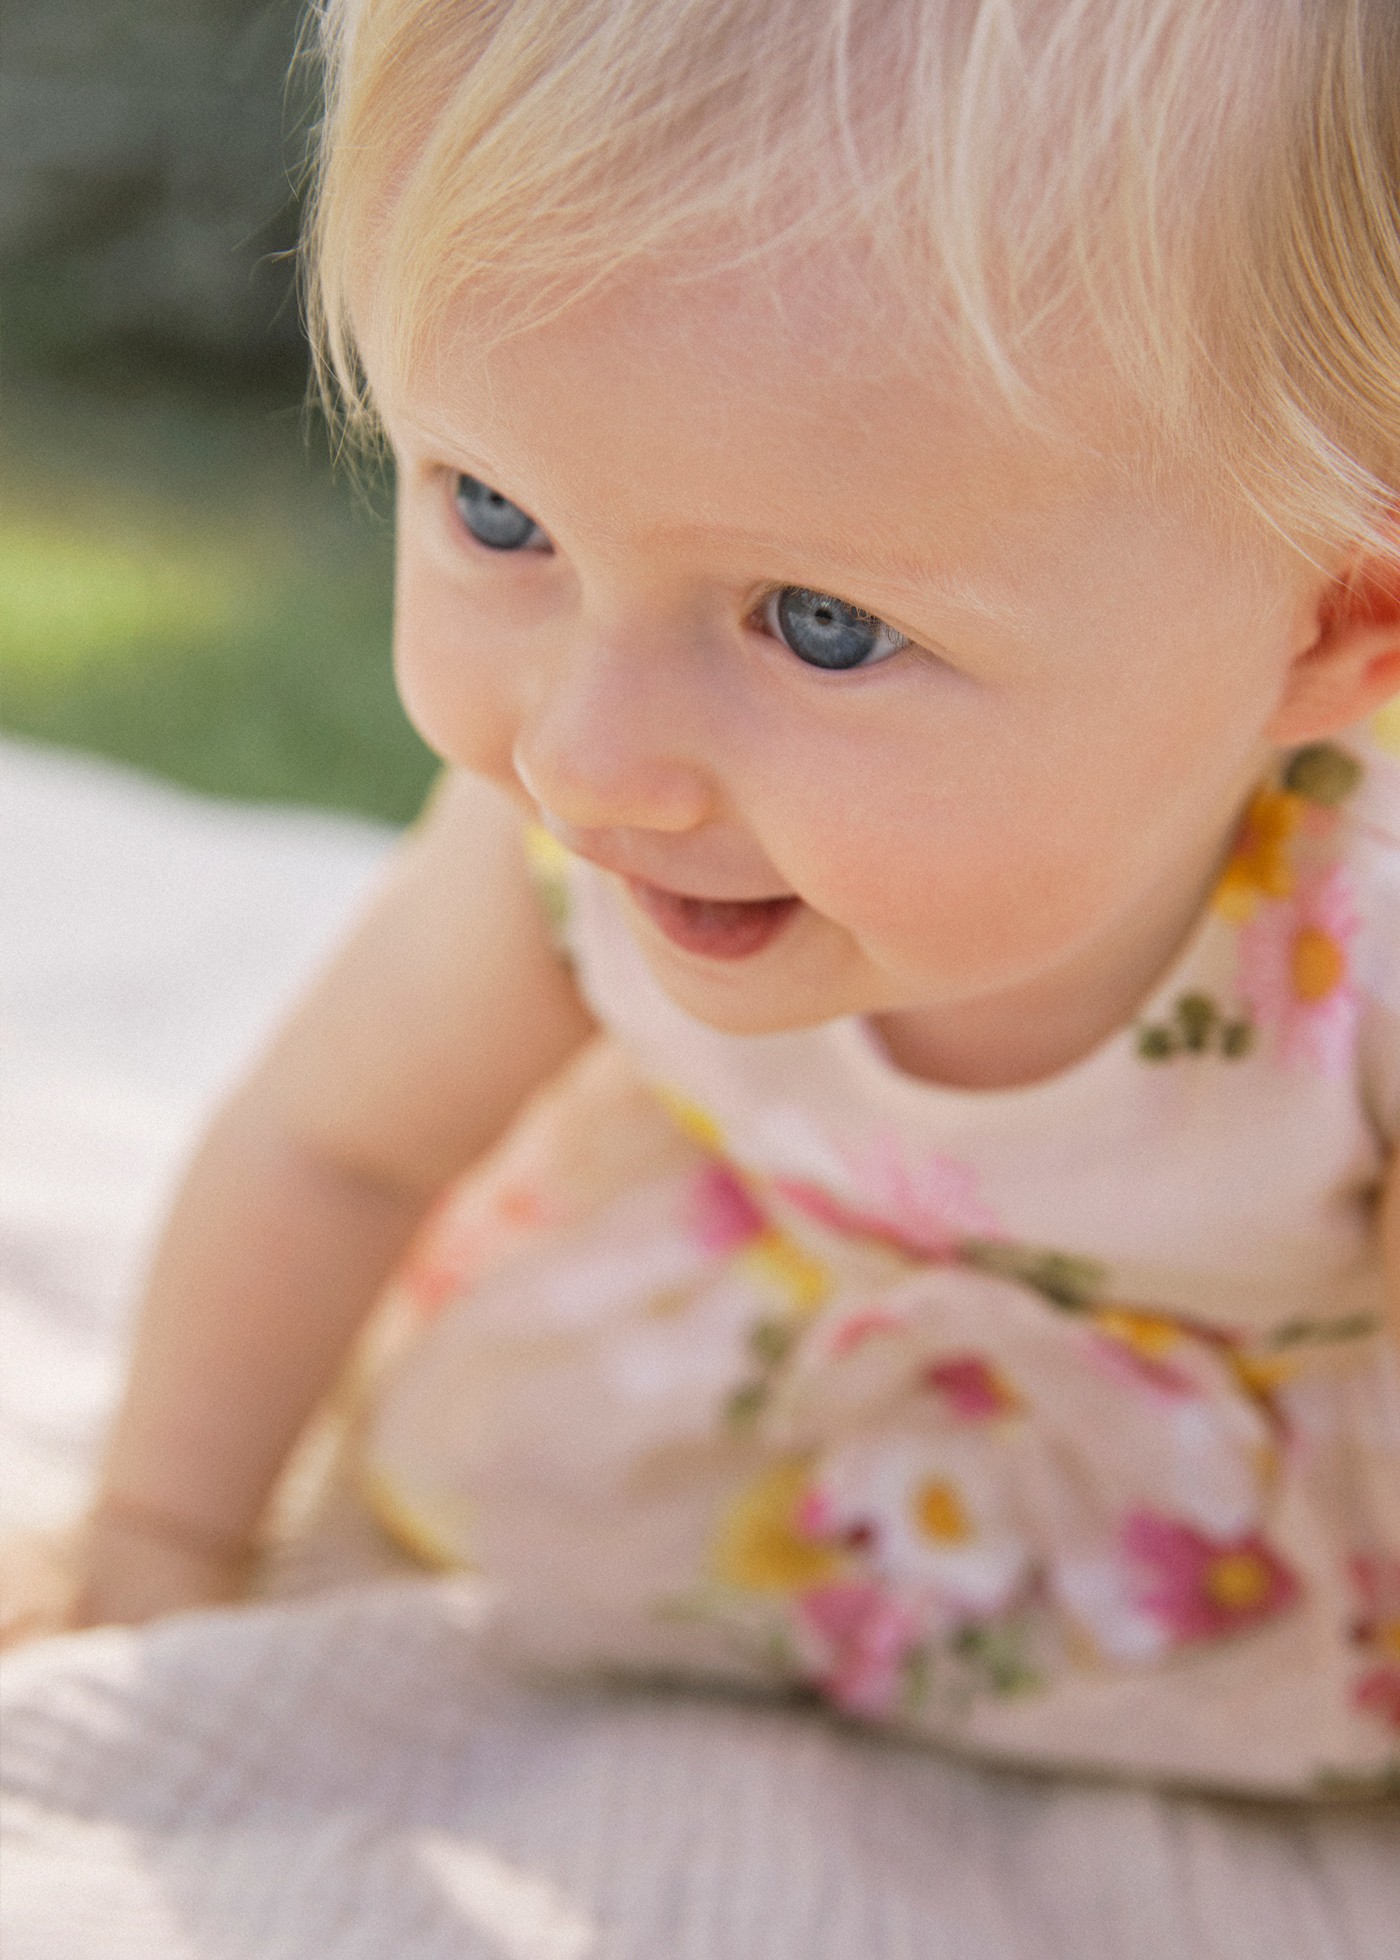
pixel 446 1007
pixel 1390 1243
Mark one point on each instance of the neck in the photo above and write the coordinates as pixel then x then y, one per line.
pixel 1043 1025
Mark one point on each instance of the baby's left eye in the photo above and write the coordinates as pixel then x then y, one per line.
pixel 493 520
pixel 827 632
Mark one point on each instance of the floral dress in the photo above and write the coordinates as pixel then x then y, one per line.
pixel 1059 1423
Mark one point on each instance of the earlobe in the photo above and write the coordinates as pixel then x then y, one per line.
pixel 1352 666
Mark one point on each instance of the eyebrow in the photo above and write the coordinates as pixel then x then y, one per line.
pixel 894 571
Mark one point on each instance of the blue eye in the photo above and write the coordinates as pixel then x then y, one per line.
pixel 493 520
pixel 826 632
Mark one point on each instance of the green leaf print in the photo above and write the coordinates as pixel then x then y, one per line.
pixel 1064 1278
pixel 1197 1027
pixel 1322 773
pixel 997 1650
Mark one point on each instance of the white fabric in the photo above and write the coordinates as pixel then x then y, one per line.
pixel 349 1776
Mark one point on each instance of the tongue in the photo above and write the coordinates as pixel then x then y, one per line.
pixel 723 928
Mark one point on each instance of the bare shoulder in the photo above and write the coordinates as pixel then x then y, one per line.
pixel 443 1010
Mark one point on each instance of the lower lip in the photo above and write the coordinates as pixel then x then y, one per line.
pixel 721 929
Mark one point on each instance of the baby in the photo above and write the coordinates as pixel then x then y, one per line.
pixel 899 550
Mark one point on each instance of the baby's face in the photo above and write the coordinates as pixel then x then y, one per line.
pixel 747 620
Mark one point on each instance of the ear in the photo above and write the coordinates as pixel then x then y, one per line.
pixel 1352 665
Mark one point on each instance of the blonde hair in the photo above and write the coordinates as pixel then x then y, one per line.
pixel 1199 197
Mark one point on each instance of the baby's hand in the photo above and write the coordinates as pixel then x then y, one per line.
pixel 113 1567
pixel 37 1583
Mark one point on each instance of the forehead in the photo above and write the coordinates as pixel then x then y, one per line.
pixel 770 409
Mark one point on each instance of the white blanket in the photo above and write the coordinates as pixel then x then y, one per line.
pixel 349 1773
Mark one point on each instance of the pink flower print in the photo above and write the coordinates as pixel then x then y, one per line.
pixel 460 1237
pixel 1377 1692
pixel 815 1515
pixel 863 1635
pixel 927 1206
pixel 1296 970
pixel 1199 1588
pixel 721 1214
pixel 1130 1346
pixel 1377 1585
pixel 973 1389
pixel 818 1519
pixel 928 1514
pixel 858 1328
pixel 1377 1630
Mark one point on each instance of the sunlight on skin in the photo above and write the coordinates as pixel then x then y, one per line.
pixel 1097 674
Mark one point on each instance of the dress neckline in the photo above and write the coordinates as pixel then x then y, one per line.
pixel 866 1053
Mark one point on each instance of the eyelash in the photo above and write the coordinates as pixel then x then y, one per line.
pixel 763 615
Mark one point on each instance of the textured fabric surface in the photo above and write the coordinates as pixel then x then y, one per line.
pixel 344 1777
pixel 148 940
pixel 353 1773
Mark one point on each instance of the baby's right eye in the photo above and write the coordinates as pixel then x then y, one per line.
pixel 493 520
pixel 827 632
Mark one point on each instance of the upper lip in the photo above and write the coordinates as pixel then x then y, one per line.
pixel 623 864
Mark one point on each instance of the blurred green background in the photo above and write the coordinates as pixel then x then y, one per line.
pixel 186 583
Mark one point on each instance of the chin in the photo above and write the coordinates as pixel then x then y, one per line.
pixel 749 1002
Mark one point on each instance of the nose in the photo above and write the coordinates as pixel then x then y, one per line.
pixel 609 740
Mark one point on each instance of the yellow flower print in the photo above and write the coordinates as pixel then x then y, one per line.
pixel 546 856
pixel 434 1534
pixel 939 1513
pixel 1385 726
pixel 692 1121
pixel 1238 1581
pixel 1264 1374
pixel 548 864
pixel 1319 964
pixel 758 1546
pixel 1149 1334
pixel 1294 1348
pixel 1260 865
pixel 779 1261
pixel 1143 1347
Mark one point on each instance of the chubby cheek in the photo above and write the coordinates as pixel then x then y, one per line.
pixel 442 676
pixel 968 906
pixel 973 887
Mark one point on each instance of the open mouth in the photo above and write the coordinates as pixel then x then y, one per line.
pixel 721 928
